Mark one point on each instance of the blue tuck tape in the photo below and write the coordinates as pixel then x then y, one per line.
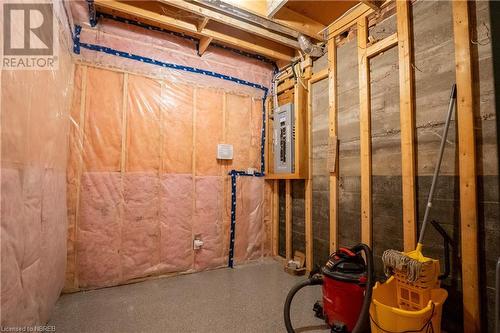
pixel 92 13
pixel 232 234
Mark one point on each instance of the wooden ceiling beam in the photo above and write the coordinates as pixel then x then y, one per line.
pixel 273 6
pixel 301 23
pixel 286 21
pixel 231 21
pixel 270 50
pixel 243 12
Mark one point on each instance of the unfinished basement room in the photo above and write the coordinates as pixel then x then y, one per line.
pixel 260 166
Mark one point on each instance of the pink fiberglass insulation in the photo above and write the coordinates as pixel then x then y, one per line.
pixel 34 108
pixel 13 242
pixel 238 117
pixel 249 227
pixel 176 222
pixel 33 244
pixel 209 104
pixel 208 222
pixel 255 133
pixel 72 175
pixel 143 124
pixel 177 122
pixel 52 240
pixel 98 234
pixel 102 145
pixel 140 246
pixel 164 47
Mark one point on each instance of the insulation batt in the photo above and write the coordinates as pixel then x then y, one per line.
pixel 150 182
pixel 35 107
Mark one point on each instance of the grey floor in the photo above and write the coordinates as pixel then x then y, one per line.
pixel 245 299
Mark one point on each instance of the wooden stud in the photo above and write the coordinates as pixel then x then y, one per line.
pixel 276 218
pixel 308 185
pixel 288 219
pixel 193 164
pixel 123 157
pixel 382 45
pixel 365 132
pixel 467 167
pixel 332 133
pixel 81 137
pixel 204 43
pixel 407 119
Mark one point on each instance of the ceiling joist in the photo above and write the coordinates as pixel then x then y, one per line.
pixel 240 39
pixel 286 21
pixel 373 4
pixel 232 22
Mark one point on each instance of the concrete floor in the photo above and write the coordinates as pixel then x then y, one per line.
pixel 245 299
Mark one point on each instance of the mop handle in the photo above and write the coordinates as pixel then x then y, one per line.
pixel 453 98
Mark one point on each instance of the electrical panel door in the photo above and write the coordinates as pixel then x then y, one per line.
pixel 284 139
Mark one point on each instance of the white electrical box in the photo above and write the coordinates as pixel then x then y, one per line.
pixel 224 151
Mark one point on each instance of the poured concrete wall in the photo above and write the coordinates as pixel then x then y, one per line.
pixel 434 74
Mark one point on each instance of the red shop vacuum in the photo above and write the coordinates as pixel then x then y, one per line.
pixel 347 281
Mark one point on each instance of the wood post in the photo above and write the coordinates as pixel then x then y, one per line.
pixel 407 119
pixel 467 167
pixel 288 219
pixel 276 218
pixel 365 132
pixel 332 133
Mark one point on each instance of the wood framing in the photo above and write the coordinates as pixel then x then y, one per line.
pixel 81 136
pixel 365 132
pixel 373 4
pixel 467 167
pixel 204 43
pixel 382 45
pixel 270 49
pixel 276 218
pixel 407 119
pixel 332 133
pixel 273 6
pixel 288 219
pixel 203 24
pixel 232 22
pixel 348 19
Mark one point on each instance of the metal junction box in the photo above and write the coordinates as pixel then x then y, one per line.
pixel 284 139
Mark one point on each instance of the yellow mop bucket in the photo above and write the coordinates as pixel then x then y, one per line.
pixel 387 315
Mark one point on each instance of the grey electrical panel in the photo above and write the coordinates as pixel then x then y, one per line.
pixel 284 139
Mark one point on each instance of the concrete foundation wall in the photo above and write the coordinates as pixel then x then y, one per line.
pixel 434 66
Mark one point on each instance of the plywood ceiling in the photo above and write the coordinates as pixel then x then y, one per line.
pixel 324 12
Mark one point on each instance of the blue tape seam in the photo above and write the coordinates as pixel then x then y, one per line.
pixel 92 13
pixel 232 232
